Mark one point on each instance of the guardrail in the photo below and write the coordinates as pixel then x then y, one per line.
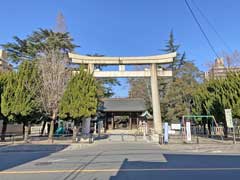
pixel 11 136
pixel 80 137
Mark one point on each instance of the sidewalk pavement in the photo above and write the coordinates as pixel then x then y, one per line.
pixel 43 145
pixel 206 146
pixel 223 148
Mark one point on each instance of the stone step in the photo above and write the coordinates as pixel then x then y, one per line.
pixel 125 137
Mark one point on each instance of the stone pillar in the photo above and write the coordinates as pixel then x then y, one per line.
pixel 90 68
pixel 86 125
pixel 137 120
pixel 157 120
pixel 112 118
pixel 106 122
pixel 130 121
pixel 121 67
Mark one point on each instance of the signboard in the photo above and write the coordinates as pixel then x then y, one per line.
pixel 228 116
pixel 165 132
pixel 188 131
pixel 176 126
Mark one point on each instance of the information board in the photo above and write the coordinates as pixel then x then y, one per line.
pixel 228 116
pixel 166 132
pixel 188 131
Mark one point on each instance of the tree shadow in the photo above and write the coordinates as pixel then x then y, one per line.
pixel 12 156
pixel 102 136
pixel 182 166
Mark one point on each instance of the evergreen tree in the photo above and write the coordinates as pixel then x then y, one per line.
pixel 178 98
pixel 8 96
pixel 171 47
pixel 212 97
pixel 3 82
pixel 26 103
pixel 79 100
pixel 50 50
pixel 41 43
pixel 176 92
pixel 175 66
pixel 19 100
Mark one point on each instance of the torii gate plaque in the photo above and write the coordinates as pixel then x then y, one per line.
pixel 122 61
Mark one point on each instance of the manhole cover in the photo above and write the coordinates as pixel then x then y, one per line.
pixel 43 163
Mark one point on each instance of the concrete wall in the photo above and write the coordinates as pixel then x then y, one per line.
pixel 13 128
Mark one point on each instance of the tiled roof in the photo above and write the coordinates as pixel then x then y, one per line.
pixel 124 105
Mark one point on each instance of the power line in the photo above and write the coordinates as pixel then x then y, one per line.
pixel 201 29
pixel 211 25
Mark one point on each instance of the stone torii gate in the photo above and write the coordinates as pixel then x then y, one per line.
pixel 153 72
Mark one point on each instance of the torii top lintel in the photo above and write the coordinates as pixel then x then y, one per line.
pixel 156 59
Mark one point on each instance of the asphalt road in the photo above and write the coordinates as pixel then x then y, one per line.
pixel 113 161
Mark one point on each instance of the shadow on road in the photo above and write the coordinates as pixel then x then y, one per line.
pixel 181 166
pixel 16 155
pixel 104 136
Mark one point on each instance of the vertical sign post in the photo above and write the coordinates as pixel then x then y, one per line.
pixel 188 131
pixel 228 116
pixel 100 126
pixel 165 133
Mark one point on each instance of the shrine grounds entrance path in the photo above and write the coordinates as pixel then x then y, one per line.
pixel 113 161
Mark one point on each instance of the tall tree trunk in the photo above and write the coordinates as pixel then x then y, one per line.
pixel 43 127
pixel 209 129
pixel 51 132
pixel 204 127
pixel 27 126
pixel 225 129
pixel 4 128
pixel 23 130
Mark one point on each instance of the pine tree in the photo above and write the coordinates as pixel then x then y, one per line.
pixel 171 47
pixel 50 49
pixel 176 92
pixel 79 100
pixel 8 96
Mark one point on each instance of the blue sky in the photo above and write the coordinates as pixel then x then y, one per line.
pixel 127 27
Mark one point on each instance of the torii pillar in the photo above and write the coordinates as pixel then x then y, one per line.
pixel 157 119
